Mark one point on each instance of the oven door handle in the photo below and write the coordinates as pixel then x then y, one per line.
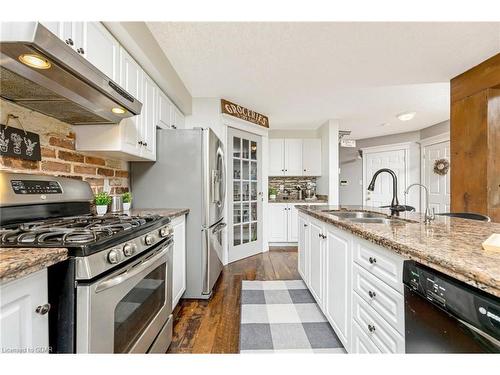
pixel 132 271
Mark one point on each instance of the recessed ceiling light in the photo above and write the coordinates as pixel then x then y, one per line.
pixel 406 116
pixel 118 110
pixel 35 61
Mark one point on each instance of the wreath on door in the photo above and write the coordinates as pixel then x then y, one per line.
pixel 441 166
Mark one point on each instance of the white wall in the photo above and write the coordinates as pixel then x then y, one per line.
pixel 351 167
pixel 328 183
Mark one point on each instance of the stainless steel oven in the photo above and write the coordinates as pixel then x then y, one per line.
pixel 129 310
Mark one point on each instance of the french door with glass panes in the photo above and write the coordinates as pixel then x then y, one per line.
pixel 245 194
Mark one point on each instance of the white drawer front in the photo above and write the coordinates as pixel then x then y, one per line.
pixel 386 301
pixel 386 338
pixel 384 264
pixel 360 342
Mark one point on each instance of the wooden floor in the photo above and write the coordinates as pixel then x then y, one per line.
pixel 213 326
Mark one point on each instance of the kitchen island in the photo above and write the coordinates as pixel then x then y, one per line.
pixel 352 260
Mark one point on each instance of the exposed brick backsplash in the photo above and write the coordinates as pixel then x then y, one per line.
pixel 59 156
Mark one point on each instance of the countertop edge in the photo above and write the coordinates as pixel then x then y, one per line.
pixel 484 284
pixel 24 267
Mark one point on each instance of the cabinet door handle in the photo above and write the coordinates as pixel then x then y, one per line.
pixel 372 260
pixel 43 309
pixel 80 51
pixel 69 42
pixel 305 225
pixel 146 144
pixel 371 328
pixel 140 142
pixel 372 294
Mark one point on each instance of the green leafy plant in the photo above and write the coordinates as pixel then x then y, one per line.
pixel 273 191
pixel 102 199
pixel 127 197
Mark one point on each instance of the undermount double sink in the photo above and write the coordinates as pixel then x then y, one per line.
pixel 364 217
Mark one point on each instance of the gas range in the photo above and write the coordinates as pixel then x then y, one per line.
pixel 87 237
pixel 114 292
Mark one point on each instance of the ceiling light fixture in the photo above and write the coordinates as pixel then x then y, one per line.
pixel 118 110
pixel 406 116
pixel 35 61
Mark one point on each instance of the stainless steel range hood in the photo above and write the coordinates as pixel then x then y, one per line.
pixel 68 88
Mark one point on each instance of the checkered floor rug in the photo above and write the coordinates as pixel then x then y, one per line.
pixel 283 317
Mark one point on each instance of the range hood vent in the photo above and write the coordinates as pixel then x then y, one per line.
pixel 71 89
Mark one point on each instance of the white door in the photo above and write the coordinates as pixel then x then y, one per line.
pixel 278 222
pixel 293 157
pixel 303 248
pixel 311 157
pixel 245 194
pixel 315 257
pixel 276 155
pixel 438 185
pixel 101 49
pixel 382 195
pixel 338 283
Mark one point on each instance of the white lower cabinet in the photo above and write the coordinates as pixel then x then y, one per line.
pixel 284 222
pixel 303 253
pixel 316 250
pixel 358 286
pixel 386 338
pixel 179 259
pixel 24 314
pixel 338 282
pixel 360 342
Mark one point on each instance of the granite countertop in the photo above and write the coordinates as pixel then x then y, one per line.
pixel 450 245
pixel 21 261
pixel 170 212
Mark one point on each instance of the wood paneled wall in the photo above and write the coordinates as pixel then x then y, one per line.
pixel 475 140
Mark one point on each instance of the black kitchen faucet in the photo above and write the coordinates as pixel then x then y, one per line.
pixel 395 207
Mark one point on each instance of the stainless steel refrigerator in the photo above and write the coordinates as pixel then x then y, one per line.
pixel 189 172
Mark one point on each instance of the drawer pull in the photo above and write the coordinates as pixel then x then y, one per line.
pixel 372 260
pixel 372 294
pixel 43 309
pixel 371 328
pixel 305 225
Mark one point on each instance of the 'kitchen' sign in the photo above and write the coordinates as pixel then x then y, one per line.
pixel 243 113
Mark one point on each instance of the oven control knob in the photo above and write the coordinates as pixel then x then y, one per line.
pixel 114 256
pixel 165 231
pixel 148 239
pixel 128 249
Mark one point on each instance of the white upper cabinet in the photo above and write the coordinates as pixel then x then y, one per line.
pixel 149 116
pixel 164 109
pixel 101 49
pixel 311 157
pixel 294 157
pixel 276 157
pixel 134 139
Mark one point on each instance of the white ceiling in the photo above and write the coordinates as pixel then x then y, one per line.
pixel 301 74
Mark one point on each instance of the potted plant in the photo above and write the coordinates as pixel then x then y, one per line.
pixel 102 200
pixel 127 200
pixel 272 193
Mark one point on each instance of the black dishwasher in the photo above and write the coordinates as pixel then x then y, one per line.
pixel 444 315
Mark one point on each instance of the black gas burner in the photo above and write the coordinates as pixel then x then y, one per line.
pixel 84 234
